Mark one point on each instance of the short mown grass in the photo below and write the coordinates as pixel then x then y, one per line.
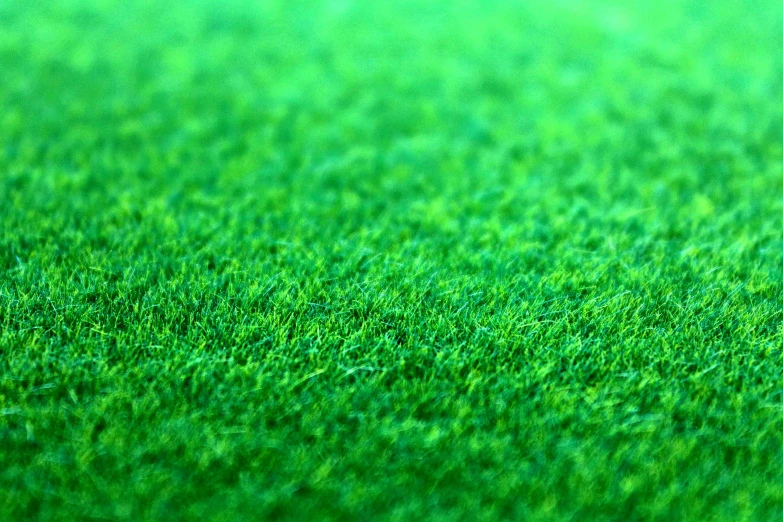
pixel 410 260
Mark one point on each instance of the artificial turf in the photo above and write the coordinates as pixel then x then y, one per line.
pixel 391 260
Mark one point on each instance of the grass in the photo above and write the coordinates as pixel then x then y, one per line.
pixel 413 260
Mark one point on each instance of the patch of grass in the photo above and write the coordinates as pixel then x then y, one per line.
pixel 441 260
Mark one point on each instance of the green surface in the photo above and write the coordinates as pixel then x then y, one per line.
pixel 410 260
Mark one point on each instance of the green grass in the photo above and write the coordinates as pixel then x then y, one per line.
pixel 375 260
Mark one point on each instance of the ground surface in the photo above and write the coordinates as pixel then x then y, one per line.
pixel 378 260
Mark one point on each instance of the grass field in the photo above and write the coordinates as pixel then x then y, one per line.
pixel 391 260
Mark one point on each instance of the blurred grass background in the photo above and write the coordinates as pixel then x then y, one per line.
pixel 465 260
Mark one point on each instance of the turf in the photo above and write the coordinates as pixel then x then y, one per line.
pixel 410 260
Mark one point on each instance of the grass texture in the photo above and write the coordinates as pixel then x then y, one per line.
pixel 391 260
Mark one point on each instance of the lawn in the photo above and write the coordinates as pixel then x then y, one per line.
pixel 391 260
